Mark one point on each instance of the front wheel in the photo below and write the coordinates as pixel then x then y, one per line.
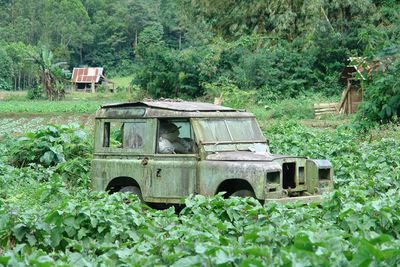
pixel 133 190
pixel 243 193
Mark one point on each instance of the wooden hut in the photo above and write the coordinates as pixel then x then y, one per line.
pixel 358 70
pixel 351 78
pixel 87 79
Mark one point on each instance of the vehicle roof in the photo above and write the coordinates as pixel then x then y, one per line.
pixel 167 109
pixel 172 105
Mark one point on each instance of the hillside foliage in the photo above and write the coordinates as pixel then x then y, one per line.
pixel 178 48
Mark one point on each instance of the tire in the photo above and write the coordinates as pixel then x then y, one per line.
pixel 243 193
pixel 133 190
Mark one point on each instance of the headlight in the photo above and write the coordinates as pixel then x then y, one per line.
pixel 324 174
pixel 273 177
pixel 318 174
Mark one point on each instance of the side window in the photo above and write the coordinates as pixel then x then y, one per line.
pixel 133 135
pixel 112 134
pixel 175 136
pixel 124 135
pixel 185 130
pixel 106 134
pixel 214 130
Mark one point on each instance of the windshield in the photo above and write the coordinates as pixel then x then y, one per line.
pixel 229 130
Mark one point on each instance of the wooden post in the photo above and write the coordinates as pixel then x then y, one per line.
pixel 351 100
pixel 93 87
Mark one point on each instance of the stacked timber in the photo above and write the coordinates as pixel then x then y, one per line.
pixel 324 109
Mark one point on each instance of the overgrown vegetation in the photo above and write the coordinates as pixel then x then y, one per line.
pixel 48 216
pixel 382 97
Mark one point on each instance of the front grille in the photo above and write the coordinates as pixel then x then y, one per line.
pixel 288 175
pixel 302 176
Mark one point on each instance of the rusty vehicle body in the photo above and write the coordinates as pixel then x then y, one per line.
pixel 231 155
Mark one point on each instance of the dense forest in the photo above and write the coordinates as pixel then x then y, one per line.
pixel 188 48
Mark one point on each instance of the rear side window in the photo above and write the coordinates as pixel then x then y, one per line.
pixel 128 135
pixel 133 135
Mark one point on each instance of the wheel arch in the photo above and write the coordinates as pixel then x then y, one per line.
pixel 234 184
pixel 115 184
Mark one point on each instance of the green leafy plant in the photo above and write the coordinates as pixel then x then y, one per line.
pixel 49 146
pixel 382 95
pixel 4 85
pixel 229 93
pixel 35 93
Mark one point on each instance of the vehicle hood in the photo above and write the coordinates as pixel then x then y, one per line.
pixel 245 156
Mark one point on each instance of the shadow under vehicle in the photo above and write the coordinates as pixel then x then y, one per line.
pixel 223 150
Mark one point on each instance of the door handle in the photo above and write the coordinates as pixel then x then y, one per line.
pixel 145 161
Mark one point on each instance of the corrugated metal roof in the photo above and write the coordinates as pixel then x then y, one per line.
pixel 364 67
pixel 87 75
pixel 171 105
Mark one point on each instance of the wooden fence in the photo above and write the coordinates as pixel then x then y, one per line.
pixel 324 109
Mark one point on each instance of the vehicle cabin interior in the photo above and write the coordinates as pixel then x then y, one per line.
pixel 174 136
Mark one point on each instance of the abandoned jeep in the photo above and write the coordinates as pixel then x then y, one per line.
pixel 164 151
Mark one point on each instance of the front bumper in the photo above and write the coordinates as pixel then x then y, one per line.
pixel 300 199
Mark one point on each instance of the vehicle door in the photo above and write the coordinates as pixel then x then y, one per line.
pixel 124 145
pixel 173 173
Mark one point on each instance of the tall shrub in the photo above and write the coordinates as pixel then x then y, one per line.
pixel 382 95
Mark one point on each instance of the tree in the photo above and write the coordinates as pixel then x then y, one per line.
pixel 52 74
pixel 24 73
pixel 5 70
pixel 66 27
pixel 381 102
pixel 140 14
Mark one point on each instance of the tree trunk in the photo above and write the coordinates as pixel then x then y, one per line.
pixel 19 80
pixel 80 55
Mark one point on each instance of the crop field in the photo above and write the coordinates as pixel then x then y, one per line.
pixel 49 216
pixel 19 125
pixel 15 103
pixel 76 107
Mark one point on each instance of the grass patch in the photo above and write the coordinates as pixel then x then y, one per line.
pixel 75 102
pixel 293 108
pixel 44 106
pixel 12 95
pixel 87 103
pixel 122 82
